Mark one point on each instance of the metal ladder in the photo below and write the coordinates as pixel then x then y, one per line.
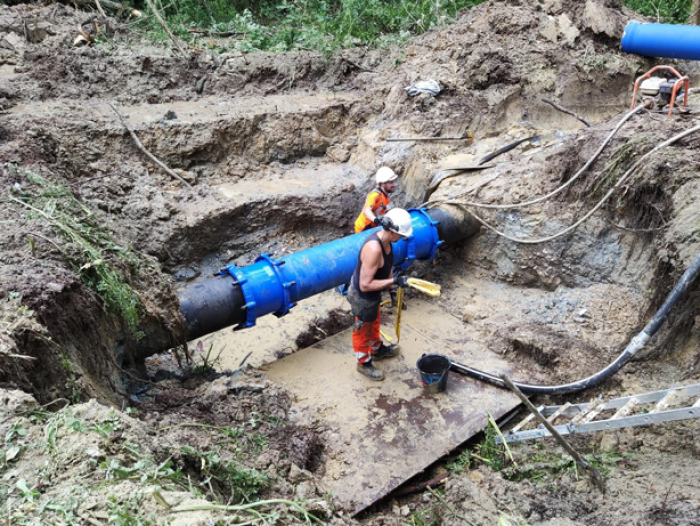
pixel 630 411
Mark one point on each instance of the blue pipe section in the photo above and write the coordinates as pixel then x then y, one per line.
pixel 274 286
pixel 662 40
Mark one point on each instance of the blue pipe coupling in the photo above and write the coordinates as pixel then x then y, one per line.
pixel 662 40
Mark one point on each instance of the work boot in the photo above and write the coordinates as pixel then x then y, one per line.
pixel 385 351
pixel 370 371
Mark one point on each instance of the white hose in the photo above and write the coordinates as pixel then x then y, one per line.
pixel 590 213
pixel 562 187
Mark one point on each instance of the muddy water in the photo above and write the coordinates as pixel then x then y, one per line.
pixel 271 337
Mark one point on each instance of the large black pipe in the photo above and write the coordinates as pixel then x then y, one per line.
pixel 221 301
pixel 453 224
pixel 211 305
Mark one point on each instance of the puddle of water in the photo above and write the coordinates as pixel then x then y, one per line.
pixel 271 337
pixel 382 433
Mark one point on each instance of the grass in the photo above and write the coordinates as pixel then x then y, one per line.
pixel 548 467
pixel 84 243
pixel 283 25
pixel 324 25
pixel 663 11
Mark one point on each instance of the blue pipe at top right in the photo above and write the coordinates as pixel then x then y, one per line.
pixel 662 40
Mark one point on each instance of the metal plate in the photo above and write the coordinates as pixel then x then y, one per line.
pixel 383 433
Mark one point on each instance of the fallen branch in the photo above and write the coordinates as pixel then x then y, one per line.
pixel 356 65
pixel 99 8
pixel 564 110
pixel 214 33
pixel 165 26
pixel 469 138
pixel 18 356
pixel 421 486
pixel 47 240
pixel 144 150
pixel 506 148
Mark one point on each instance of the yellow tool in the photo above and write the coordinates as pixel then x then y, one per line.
pixel 426 287
pixel 397 320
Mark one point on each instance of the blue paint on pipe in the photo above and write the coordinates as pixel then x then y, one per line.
pixel 662 40
pixel 276 285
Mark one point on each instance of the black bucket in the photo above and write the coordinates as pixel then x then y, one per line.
pixel 433 369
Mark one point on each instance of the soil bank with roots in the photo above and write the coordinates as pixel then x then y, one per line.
pixel 107 415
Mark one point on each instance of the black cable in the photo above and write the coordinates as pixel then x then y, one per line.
pixel 632 348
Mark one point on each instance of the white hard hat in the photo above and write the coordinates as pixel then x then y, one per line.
pixel 401 221
pixel 386 175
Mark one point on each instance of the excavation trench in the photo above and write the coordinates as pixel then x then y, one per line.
pixel 271 177
pixel 279 152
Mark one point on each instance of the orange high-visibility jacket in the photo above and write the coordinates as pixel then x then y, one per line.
pixel 379 202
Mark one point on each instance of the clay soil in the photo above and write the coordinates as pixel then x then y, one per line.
pixel 114 418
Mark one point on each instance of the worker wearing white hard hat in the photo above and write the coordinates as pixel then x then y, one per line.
pixel 373 274
pixel 377 203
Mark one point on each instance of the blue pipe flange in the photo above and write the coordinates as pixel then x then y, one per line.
pixel 411 243
pixel 410 252
pixel 437 243
pixel 286 285
pixel 250 304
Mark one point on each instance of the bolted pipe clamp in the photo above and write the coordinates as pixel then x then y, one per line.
pixel 286 285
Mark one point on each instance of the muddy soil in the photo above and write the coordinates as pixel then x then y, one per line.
pixel 274 153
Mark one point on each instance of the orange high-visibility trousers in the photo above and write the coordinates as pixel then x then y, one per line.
pixel 366 339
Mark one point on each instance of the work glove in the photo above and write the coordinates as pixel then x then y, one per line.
pixel 401 281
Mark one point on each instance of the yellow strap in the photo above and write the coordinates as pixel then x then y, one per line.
pixel 399 308
pixel 397 319
pixel 426 287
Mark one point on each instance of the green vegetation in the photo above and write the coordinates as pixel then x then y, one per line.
pixel 207 363
pixel 540 465
pixel 128 512
pixel 664 11
pixel 87 245
pixel 226 478
pixel 282 25
pixel 325 25
pixel 126 476
pixel 71 370
pixel 548 467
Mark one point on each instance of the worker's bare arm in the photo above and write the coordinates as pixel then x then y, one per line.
pixel 369 214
